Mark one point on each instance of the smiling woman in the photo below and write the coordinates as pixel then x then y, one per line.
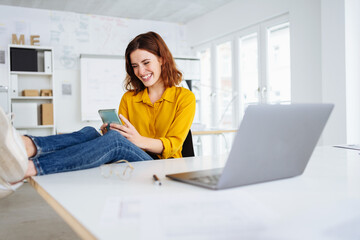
pixel 167 111
pixel 156 116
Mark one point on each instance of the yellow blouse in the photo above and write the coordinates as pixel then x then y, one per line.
pixel 168 119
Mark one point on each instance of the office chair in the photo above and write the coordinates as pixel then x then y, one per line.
pixel 187 149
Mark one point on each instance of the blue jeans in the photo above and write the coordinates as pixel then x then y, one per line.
pixel 82 150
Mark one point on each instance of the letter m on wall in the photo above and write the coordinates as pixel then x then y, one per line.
pixel 20 41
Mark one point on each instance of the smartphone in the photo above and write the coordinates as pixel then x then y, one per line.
pixel 109 116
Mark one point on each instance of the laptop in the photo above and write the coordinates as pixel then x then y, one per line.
pixel 273 142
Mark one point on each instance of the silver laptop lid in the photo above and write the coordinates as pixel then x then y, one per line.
pixel 274 142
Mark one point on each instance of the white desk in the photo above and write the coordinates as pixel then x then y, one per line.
pixel 323 203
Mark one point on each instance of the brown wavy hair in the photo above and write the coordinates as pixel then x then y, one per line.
pixel 153 43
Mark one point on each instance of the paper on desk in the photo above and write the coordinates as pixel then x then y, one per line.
pixel 215 215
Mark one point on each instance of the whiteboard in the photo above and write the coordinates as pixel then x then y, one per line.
pixel 102 84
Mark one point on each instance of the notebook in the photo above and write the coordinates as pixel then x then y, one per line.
pixel 273 142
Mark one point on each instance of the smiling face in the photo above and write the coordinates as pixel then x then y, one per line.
pixel 147 67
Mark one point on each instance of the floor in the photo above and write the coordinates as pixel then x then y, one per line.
pixel 25 215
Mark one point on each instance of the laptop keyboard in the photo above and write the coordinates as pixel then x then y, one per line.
pixel 210 180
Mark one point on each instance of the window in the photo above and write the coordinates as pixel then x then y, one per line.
pixel 205 86
pixel 224 88
pixel 247 67
pixel 264 64
pixel 204 144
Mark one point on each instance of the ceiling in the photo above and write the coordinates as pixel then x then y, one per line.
pixel 178 11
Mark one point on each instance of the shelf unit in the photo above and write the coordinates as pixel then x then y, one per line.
pixel 34 79
pixel 190 68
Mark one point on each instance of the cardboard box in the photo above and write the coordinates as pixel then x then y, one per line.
pixel 47 114
pixel 46 92
pixel 25 114
pixel 30 93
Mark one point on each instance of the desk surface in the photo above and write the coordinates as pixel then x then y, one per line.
pixel 323 203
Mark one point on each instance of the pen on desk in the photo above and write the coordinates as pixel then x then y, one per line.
pixel 156 180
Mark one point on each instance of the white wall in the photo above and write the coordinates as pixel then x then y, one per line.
pixel 352 46
pixel 305 33
pixel 233 17
pixel 333 67
pixel 73 34
pixel 317 48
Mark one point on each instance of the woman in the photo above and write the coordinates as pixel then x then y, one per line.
pixel 157 116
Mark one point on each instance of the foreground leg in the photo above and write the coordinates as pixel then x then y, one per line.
pixel 108 148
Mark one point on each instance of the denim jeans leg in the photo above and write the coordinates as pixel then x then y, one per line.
pixel 105 149
pixel 48 144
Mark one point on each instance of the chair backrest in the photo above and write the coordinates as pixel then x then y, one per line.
pixel 188 148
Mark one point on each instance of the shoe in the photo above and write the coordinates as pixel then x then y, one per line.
pixel 6 188
pixel 13 157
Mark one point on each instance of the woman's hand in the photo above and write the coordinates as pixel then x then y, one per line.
pixel 128 131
